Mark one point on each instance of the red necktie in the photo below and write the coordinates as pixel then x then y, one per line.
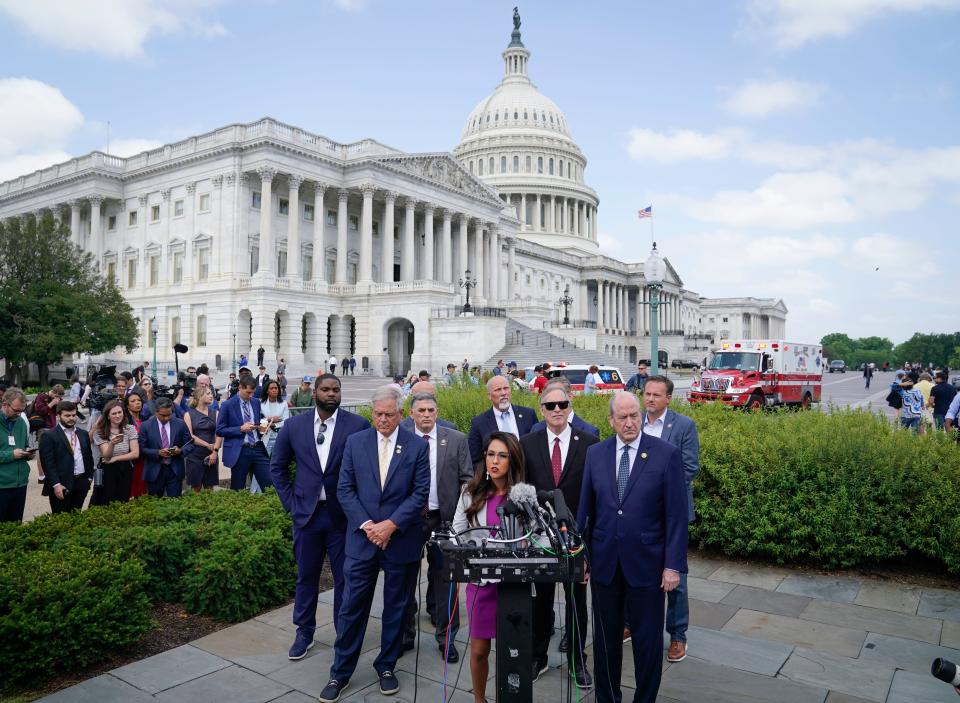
pixel 555 461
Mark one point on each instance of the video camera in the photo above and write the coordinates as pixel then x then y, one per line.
pixel 103 391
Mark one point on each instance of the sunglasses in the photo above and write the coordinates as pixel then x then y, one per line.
pixel 320 436
pixel 553 405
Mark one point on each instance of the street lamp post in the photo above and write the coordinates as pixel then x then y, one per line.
pixel 154 330
pixel 566 301
pixel 466 283
pixel 654 271
pixel 233 365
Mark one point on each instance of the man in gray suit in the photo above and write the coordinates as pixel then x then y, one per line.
pixel 680 431
pixel 450 468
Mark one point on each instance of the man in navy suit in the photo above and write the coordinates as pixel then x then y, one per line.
pixel 315 441
pixel 384 485
pixel 238 422
pixel 162 439
pixel 502 416
pixel 681 432
pixel 633 510
pixel 575 421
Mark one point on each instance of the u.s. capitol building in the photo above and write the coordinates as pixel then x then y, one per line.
pixel 267 234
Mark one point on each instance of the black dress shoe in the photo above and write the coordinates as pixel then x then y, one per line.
pixel 538 669
pixel 564 644
pixel 407 645
pixel 582 677
pixel 453 656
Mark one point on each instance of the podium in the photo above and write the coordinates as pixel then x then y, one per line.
pixel 515 572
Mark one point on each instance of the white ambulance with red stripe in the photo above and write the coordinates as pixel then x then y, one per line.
pixel 757 373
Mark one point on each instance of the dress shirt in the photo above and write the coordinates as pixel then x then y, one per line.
pixel 654 428
pixel 74 441
pixel 391 448
pixel 564 437
pixel 508 423
pixel 323 450
pixel 433 502
pixel 634 448
pixel 954 408
pixel 246 411
pixel 161 428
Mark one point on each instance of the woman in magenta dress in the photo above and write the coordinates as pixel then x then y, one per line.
pixel 501 467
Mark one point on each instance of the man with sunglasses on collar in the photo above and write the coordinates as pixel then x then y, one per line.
pixel 314 441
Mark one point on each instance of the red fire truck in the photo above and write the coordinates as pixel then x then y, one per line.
pixel 757 373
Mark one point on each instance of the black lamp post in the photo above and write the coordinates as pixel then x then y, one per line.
pixel 566 301
pixel 466 283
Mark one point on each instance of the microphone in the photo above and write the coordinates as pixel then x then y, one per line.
pixel 546 498
pixel 525 495
pixel 564 514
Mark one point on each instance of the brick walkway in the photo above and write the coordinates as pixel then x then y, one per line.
pixel 757 634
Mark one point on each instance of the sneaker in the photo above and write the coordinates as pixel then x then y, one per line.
pixel 538 669
pixel 301 645
pixel 677 651
pixel 332 691
pixel 582 677
pixel 388 683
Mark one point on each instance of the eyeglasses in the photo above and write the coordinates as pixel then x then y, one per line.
pixel 320 435
pixel 498 455
pixel 553 405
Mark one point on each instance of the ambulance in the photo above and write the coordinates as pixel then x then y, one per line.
pixel 758 373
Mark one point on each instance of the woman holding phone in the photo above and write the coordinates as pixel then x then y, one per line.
pixel 118 446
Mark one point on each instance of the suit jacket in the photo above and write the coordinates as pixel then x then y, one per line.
pixel 647 531
pixel 229 420
pixel 408 424
pixel 150 446
pixel 401 500
pixel 576 423
pixel 297 442
pixel 537 453
pixel 681 432
pixel 56 455
pixel 454 469
pixel 485 424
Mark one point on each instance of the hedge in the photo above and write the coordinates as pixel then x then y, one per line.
pixel 74 586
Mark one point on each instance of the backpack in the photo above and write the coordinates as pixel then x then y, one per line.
pixel 34 419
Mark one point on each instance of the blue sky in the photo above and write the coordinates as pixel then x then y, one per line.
pixel 803 149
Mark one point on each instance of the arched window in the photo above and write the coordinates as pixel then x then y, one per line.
pixel 488 118
pixel 496 116
pixel 503 164
pixel 515 114
pixel 480 167
pixel 491 165
pixel 560 170
pixel 539 164
pixel 528 164
pixel 516 164
pixel 550 166
pixel 525 115
pixel 471 167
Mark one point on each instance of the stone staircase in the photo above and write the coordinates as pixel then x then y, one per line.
pixel 529 347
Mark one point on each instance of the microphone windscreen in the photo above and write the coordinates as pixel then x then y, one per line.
pixel 523 493
pixel 544 497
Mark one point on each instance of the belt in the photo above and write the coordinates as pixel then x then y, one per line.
pixel 432 513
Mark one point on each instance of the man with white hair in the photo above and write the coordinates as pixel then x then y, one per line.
pixel 384 484
pixel 502 416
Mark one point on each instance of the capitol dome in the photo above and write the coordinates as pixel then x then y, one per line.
pixel 518 142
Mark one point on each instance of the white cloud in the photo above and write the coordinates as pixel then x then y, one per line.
pixel 678 145
pixel 22 164
pixel 793 23
pixel 34 114
pixel 762 98
pixel 893 255
pixel 131 147
pixel 113 28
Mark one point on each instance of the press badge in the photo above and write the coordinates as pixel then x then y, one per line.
pixel 11 441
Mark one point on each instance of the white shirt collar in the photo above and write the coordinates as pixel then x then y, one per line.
pixel 659 421
pixel 634 445
pixel 332 420
pixel 432 433
pixel 499 413
pixel 564 435
pixel 392 438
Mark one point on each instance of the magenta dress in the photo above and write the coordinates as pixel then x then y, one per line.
pixel 482 600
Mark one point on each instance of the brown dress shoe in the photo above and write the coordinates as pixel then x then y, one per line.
pixel 677 651
pixel 626 634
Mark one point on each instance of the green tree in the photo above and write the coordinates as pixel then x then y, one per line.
pixel 53 301
pixel 927 348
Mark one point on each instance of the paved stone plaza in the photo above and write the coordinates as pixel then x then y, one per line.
pixel 757 634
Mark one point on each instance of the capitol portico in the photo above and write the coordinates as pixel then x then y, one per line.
pixel 267 234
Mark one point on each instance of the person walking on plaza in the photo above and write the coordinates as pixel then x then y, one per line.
pixel 502 416
pixel 332 363
pixel 635 383
pixel 68 461
pixel 353 364
pixel 941 395
pixel 243 361
pixel 450 468
pixel 282 367
pixel 634 509
pixel 240 424
pixel 912 410
pixel 555 458
pixel 117 443
pixel 301 400
pixel 202 460
pixel 163 438
pixel 503 467
pixel 14 455
pixel 867 375
pixel 314 441
pixel 260 352
pixel 680 431
pixel 384 484
pixel 344 366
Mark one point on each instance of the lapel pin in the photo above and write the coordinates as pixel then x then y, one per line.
pixel 643 455
pixel 443 442
pixel 576 438
pixel 398 450
pixel 670 425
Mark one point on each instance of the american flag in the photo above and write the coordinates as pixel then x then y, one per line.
pixel 646 212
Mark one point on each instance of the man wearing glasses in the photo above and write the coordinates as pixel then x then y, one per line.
pixel 314 441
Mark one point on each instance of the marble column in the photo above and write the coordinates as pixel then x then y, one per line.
pixel 600 319
pixel 523 211
pixel 342 221
pixel 426 271
pixel 537 225
pixel 293 226
pixel 494 265
pixel 446 246
pixel 480 290
pixel 366 235
pixel 75 237
pixel 319 222
pixel 406 245
pixel 511 268
pixel 575 218
pixel 190 209
pixel 166 215
pixel 464 259
pixel 386 236
pixel 96 230
pixel 268 254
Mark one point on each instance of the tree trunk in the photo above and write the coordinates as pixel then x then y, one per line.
pixel 43 370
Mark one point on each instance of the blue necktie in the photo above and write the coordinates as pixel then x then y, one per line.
pixel 623 472
pixel 247 417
